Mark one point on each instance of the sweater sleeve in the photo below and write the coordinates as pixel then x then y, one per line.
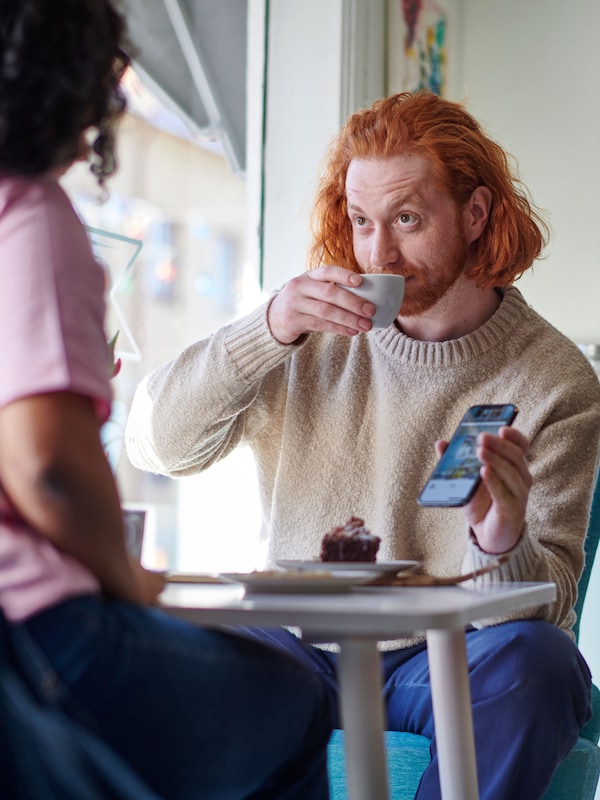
pixel 194 410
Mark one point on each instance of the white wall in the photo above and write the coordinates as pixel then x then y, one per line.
pixel 325 58
pixel 531 75
pixel 304 84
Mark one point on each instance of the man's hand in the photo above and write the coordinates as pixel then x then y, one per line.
pixel 496 513
pixel 312 302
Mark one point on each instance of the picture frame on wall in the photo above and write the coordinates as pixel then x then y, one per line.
pixel 423 46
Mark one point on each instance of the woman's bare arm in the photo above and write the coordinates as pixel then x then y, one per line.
pixel 55 474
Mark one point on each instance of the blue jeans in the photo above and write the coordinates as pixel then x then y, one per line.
pixel 196 713
pixel 46 756
pixel 530 689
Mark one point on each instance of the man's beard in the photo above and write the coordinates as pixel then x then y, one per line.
pixel 424 290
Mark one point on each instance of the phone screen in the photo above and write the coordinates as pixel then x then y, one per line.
pixel 456 476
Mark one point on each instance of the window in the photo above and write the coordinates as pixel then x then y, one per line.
pixel 182 202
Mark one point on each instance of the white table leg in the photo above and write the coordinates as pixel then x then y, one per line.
pixel 452 713
pixel 359 674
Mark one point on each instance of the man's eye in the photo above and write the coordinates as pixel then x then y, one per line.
pixel 405 218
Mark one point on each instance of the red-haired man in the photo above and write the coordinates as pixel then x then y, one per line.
pixel 342 418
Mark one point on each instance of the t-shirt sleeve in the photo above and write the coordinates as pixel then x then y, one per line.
pixel 52 304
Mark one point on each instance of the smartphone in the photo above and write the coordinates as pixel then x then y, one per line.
pixel 456 476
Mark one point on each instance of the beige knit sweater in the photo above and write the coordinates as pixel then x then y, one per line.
pixel 342 426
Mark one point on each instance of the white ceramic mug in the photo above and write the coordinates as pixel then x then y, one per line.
pixel 385 291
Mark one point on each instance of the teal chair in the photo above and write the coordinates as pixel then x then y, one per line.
pixel 408 754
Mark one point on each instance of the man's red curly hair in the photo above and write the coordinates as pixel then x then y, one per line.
pixel 463 157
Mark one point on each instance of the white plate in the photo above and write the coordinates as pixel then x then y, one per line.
pixel 300 581
pixel 192 577
pixel 373 567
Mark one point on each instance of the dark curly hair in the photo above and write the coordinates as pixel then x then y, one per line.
pixel 462 156
pixel 61 62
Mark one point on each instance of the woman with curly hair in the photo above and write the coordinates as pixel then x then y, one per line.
pixel 57 83
pixel 194 713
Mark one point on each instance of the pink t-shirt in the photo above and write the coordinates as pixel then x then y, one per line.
pixel 51 339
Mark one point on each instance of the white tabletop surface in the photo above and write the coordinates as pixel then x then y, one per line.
pixel 381 613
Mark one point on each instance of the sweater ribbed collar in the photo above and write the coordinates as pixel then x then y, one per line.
pixel 502 324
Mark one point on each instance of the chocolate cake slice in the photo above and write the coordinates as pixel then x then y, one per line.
pixel 350 542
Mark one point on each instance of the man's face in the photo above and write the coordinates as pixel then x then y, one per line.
pixel 404 224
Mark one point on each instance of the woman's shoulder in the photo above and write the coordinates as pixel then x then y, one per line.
pixel 32 189
pixel 33 199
